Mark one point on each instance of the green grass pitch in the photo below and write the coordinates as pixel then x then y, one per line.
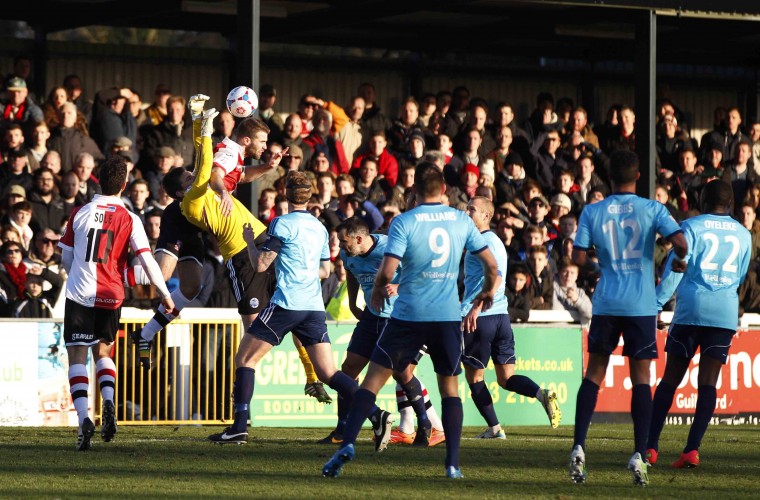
pixel 177 462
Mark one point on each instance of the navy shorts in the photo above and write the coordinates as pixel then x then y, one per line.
pixel 179 237
pixel 683 341
pixel 639 335
pixel 89 325
pixel 366 333
pixel 252 289
pixel 400 343
pixel 493 339
pixel 274 322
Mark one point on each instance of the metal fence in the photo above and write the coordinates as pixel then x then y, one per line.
pixel 191 378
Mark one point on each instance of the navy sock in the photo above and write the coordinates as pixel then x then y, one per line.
pixel 584 410
pixel 343 406
pixel 661 403
pixel 641 411
pixel 343 385
pixel 242 394
pixel 361 406
pixel 452 417
pixel 522 385
pixel 484 403
pixel 706 395
pixel 413 391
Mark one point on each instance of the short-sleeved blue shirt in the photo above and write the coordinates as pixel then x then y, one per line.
pixel 623 228
pixel 364 269
pixel 473 277
pixel 301 241
pixel 430 240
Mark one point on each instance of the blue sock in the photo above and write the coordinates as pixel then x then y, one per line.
pixel 661 403
pixel 343 406
pixel 242 394
pixel 452 417
pixel 641 411
pixel 484 403
pixel 361 406
pixel 413 391
pixel 522 385
pixel 584 410
pixel 706 395
pixel 343 385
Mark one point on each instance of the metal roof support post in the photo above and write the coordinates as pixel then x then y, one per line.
pixel 246 72
pixel 645 80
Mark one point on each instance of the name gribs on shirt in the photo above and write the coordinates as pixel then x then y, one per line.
pixel 435 216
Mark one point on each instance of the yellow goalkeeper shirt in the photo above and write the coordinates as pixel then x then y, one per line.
pixel 201 205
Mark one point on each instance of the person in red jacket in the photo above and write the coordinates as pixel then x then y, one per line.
pixel 387 165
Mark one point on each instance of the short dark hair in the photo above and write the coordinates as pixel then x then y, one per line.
pixel 624 166
pixel 716 194
pixel 353 226
pixel 172 182
pixel 113 174
pixel 298 187
pixel 250 127
pixel 428 179
pixel 42 170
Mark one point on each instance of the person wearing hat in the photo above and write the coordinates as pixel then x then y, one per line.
pixel 157 110
pixel 112 118
pixel 12 195
pixel 273 119
pixel 16 170
pixel 17 107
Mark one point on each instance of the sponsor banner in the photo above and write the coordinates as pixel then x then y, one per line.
pixel 34 381
pixel 550 356
pixel 737 385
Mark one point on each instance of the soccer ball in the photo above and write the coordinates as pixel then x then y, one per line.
pixel 242 102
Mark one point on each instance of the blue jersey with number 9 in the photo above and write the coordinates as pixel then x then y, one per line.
pixel 430 240
pixel 622 229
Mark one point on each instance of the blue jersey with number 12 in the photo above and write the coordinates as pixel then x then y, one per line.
pixel 430 240
pixel 719 253
pixel 622 229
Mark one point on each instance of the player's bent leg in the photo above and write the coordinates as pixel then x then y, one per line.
pixel 352 367
pixel 525 386
pixel 313 387
pixel 483 402
pixel 675 368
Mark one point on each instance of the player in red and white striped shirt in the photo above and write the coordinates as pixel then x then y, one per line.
pixel 95 246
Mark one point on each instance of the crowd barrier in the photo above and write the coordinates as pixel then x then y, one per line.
pixel 191 380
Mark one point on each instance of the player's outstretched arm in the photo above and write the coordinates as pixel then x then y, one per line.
pixel 253 172
pixel 156 278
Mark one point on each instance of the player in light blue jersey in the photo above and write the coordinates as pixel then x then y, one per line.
pixel 297 245
pixel 362 253
pixel 622 230
pixel 428 242
pixel 489 334
pixel 706 315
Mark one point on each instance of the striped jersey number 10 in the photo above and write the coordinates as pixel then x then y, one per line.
pixel 440 244
pixel 630 251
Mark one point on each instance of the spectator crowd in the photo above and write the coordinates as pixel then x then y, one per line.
pixel 539 173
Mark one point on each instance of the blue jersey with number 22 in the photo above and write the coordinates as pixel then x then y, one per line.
pixel 430 240
pixel 622 229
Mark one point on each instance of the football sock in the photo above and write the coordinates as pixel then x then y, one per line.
pixel 413 391
pixel 159 320
pixel 584 410
pixel 641 411
pixel 406 422
pixel 484 403
pixel 706 395
pixel 522 385
pixel 79 383
pixel 435 420
pixel 106 370
pixel 343 385
pixel 661 403
pixel 343 406
pixel 242 394
pixel 452 426
pixel 361 406
pixel 308 368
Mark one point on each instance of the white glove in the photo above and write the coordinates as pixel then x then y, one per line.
pixel 195 104
pixel 207 126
